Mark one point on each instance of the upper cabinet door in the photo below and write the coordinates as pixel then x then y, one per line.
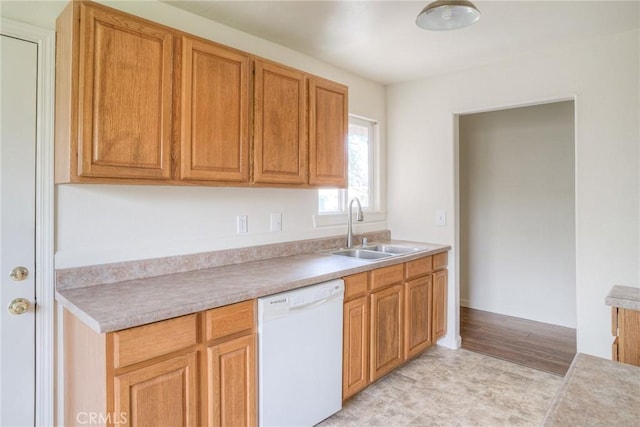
pixel 328 132
pixel 124 96
pixel 138 102
pixel 214 122
pixel 280 137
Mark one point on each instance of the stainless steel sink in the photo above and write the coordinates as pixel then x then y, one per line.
pixel 362 254
pixel 376 251
pixel 392 249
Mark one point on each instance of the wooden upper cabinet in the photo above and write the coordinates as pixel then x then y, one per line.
pixel 114 86
pixel 328 132
pixel 138 102
pixel 214 119
pixel 279 125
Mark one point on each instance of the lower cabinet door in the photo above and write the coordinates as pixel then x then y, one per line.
pixel 161 394
pixel 386 331
pixel 417 310
pixel 232 382
pixel 629 336
pixel 439 304
pixel 355 347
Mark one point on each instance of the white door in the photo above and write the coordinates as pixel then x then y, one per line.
pixel 17 230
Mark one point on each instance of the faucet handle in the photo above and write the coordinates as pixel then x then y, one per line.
pixel 365 241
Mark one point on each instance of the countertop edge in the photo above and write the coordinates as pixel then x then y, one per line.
pixel 143 318
pixel 596 392
pixel 562 391
pixel 626 297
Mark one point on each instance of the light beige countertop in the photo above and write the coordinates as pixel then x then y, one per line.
pixel 597 392
pixel 624 297
pixel 125 304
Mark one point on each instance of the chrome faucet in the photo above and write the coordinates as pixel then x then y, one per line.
pixel 359 217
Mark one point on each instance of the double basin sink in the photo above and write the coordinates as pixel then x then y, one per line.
pixel 374 252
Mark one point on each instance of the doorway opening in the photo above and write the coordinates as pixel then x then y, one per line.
pixel 517 234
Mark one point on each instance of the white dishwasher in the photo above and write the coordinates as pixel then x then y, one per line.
pixel 300 355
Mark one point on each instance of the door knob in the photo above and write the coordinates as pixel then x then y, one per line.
pixel 19 306
pixel 19 273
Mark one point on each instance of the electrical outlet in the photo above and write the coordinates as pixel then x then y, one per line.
pixel 441 217
pixel 276 222
pixel 243 224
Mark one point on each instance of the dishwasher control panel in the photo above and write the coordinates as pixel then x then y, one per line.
pixel 278 305
pixel 321 294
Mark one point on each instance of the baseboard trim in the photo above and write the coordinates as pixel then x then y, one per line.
pixel 453 343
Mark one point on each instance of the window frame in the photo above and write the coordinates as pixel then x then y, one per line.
pixel 373 209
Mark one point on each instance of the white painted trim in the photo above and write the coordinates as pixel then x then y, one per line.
pixel 329 220
pixel 450 340
pixel 45 279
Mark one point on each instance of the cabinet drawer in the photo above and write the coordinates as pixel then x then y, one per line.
pixel 146 342
pixel 418 267
pixel 355 286
pixel 440 261
pixel 230 319
pixel 386 276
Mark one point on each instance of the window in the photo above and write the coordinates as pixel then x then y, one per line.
pixel 361 148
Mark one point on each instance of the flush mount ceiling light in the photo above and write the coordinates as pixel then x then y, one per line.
pixel 447 15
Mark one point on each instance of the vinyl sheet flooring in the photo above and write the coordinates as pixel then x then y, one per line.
pixel 444 387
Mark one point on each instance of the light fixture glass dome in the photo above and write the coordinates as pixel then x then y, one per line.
pixel 447 15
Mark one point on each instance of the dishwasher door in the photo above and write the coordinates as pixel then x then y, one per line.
pixel 300 355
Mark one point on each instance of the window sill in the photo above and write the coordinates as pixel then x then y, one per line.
pixel 333 219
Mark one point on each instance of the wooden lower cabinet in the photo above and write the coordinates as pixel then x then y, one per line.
pixel 417 314
pixel 198 369
pixel 439 303
pixel 625 325
pixel 232 378
pixel 355 347
pixel 164 393
pixel 391 314
pixel 387 331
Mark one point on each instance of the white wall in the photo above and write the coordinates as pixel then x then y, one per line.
pixel 106 223
pixel 602 75
pixel 517 213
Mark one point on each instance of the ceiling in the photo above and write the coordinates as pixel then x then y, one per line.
pixel 380 41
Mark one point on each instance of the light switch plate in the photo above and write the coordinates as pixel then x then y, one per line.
pixel 276 222
pixel 243 224
pixel 441 217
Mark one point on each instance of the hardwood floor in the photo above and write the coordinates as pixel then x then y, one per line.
pixel 541 346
